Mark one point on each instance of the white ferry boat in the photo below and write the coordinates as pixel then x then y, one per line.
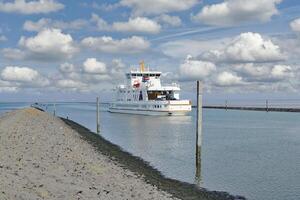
pixel 143 94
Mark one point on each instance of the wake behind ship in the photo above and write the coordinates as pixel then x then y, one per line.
pixel 143 94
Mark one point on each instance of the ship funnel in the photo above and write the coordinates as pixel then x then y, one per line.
pixel 142 66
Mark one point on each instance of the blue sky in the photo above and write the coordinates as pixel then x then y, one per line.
pixel 75 50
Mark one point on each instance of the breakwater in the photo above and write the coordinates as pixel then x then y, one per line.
pixel 45 157
pixel 267 109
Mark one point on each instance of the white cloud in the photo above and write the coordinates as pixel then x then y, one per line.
pixel 228 79
pixel 150 7
pixel 290 46
pixel 91 76
pixel 49 44
pixel 13 54
pixel 295 25
pixel 193 69
pixel 117 70
pixel 67 68
pixel 138 24
pixel 103 6
pixel 31 7
pixel 282 72
pixel 20 74
pixel 45 23
pixel 265 72
pixel 169 20
pixel 105 44
pixel 247 47
pixel 24 76
pixel 8 89
pixel 118 64
pixel 101 24
pixel 2 38
pixel 234 12
pixel 181 48
pixel 252 70
pixel 92 66
pixel 70 84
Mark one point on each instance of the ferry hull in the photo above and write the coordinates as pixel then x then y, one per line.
pixel 148 112
pixel 156 108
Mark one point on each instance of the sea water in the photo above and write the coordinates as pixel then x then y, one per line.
pixel 248 153
pixel 8 106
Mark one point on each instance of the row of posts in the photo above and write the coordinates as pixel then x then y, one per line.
pixel 266 105
pixel 97 114
pixel 198 130
pixel 198 123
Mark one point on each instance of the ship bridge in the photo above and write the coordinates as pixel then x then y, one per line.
pixel 143 77
pixel 146 85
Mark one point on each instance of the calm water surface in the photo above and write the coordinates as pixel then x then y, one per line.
pixel 254 154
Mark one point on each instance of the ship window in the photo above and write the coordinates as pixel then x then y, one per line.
pixel 139 75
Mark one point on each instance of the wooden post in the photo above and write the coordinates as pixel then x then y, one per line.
pixel 54 109
pixel 199 129
pixel 267 105
pixel 226 104
pixel 97 116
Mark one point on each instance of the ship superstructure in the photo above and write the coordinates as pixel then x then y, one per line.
pixel 145 94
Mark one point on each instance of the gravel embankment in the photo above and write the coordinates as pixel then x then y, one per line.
pixel 43 158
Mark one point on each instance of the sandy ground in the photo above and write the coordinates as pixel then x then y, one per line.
pixel 43 158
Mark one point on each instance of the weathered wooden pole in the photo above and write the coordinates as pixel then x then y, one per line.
pixel 54 109
pixel 267 105
pixel 98 116
pixel 226 104
pixel 199 129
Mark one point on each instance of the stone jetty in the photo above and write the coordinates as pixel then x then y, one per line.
pixel 45 157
